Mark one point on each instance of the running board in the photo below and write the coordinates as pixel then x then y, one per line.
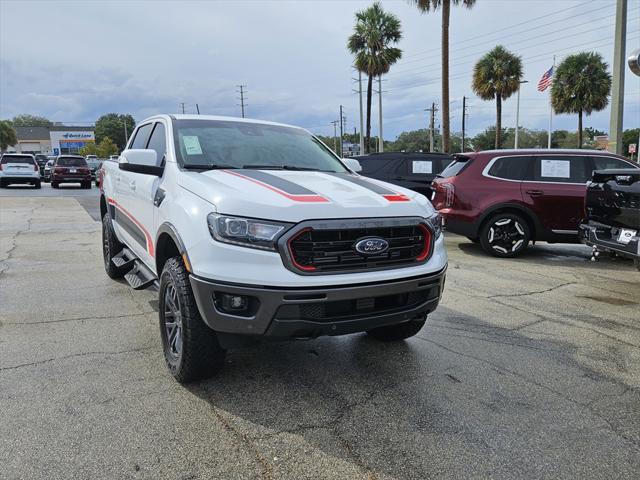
pixel 125 259
pixel 140 277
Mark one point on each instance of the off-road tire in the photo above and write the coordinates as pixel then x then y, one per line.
pixel 395 333
pixel 200 356
pixel 111 246
pixel 515 222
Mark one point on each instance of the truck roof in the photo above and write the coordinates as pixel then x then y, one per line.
pixel 217 118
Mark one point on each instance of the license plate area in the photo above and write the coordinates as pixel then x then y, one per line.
pixel 625 235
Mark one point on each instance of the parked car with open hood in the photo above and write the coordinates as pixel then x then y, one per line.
pixel 254 229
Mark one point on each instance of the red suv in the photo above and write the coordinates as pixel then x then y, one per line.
pixel 505 198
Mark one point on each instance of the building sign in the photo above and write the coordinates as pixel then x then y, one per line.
pixel 70 141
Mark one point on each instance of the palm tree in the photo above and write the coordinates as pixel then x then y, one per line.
pixel 375 30
pixel 7 135
pixel 581 84
pixel 427 6
pixel 497 75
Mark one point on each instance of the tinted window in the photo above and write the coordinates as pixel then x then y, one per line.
pixel 71 162
pixel 455 167
pixel 158 142
pixel 563 169
pixel 607 163
pixel 17 159
pixel 510 168
pixel 142 135
pixel 378 165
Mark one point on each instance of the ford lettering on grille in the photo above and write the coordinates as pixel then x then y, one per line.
pixel 372 246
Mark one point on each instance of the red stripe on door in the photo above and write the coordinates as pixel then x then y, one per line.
pixel 147 236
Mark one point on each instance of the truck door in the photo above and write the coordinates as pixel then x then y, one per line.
pixel 142 190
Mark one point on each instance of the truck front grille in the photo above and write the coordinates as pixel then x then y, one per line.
pixel 333 250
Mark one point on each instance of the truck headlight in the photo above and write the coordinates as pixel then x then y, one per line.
pixel 435 222
pixel 247 232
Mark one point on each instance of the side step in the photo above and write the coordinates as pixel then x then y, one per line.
pixel 126 258
pixel 140 277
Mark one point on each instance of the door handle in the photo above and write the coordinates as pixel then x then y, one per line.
pixel 535 193
pixel 132 185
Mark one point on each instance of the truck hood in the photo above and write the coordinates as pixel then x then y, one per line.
pixel 293 196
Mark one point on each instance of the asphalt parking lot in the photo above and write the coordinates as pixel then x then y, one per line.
pixel 529 369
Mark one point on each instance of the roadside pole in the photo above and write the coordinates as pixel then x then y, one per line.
pixel 361 113
pixel 551 106
pixel 617 86
pixel 380 140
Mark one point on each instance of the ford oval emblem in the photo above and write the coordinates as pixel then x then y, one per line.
pixel 372 246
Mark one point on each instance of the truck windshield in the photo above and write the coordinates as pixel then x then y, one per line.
pixel 211 144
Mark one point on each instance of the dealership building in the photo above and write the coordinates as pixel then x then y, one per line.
pixel 52 140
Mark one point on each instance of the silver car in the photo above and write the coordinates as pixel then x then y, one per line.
pixel 19 168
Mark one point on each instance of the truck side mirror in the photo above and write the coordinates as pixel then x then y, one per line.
pixel 140 161
pixel 352 164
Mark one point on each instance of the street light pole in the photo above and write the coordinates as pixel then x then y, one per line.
pixel 518 114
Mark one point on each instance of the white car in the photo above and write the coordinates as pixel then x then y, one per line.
pixel 19 168
pixel 256 229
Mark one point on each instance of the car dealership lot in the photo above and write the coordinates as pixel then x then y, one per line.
pixel 530 368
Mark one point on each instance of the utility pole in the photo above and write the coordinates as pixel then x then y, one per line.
pixel 361 114
pixel 242 92
pixel 197 109
pixel 464 116
pixel 617 87
pixel 432 112
pixel 126 135
pixel 341 131
pixel 182 105
pixel 335 136
pixel 380 137
pixel 515 145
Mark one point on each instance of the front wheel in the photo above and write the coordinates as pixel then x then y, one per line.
pixel 505 235
pixel 191 348
pixel 394 333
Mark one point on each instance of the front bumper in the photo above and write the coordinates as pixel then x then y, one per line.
pixel 604 237
pixel 312 312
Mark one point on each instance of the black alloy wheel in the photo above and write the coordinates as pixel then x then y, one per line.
pixel 505 235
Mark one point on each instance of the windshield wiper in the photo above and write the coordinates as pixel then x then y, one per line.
pixel 283 167
pixel 208 167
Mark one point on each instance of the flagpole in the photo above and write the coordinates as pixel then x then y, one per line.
pixel 551 106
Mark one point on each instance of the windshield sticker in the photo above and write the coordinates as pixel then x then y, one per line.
pixel 422 166
pixel 192 145
pixel 555 169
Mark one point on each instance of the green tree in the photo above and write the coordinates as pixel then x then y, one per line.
pixel 112 125
pixel 7 135
pixel 103 149
pixel 497 75
pixel 432 5
pixel 26 120
pixel 374 33
pixel 581 84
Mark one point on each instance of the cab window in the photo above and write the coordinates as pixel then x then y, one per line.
pixel 158 142
pixel 141 136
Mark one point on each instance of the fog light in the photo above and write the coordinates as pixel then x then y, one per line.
pixel 234 303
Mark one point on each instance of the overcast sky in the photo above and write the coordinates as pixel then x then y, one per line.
pixel 72 61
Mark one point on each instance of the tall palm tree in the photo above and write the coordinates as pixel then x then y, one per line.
pixel 581 84
pixel 373 34
pixel 497 75
pixel 427 6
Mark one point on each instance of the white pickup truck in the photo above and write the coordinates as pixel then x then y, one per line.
pixel 253 229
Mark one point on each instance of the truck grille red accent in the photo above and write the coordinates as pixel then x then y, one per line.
pixel 333 250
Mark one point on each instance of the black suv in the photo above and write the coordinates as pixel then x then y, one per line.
pixel 41 160
pixel 411 170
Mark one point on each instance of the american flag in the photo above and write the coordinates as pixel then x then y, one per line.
pixel 546 80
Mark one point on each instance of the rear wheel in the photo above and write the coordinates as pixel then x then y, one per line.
pixel 191 348
pixel 111 246
pixel 401 331
pixel 86 184
pixel 38 184
pixel 2 184
pixel 505 235
pixel 54 184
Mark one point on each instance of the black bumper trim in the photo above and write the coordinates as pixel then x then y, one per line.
pixel 264 321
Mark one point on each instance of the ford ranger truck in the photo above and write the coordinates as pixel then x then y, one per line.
pixel 252 229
